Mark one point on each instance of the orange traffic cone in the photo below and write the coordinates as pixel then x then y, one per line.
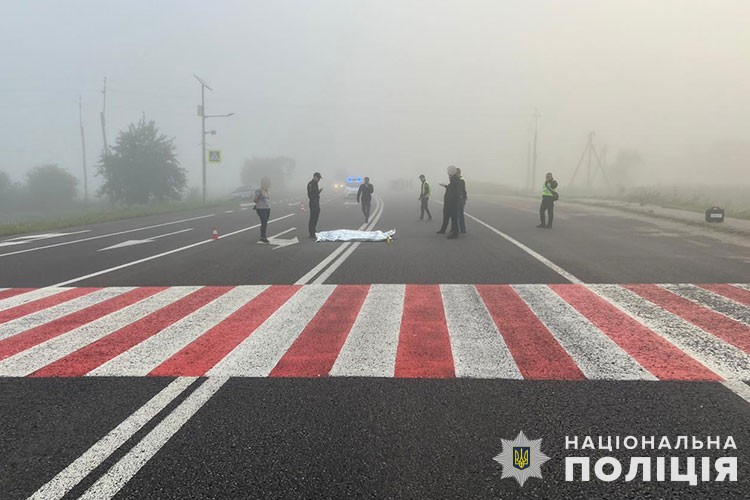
pixel 215 234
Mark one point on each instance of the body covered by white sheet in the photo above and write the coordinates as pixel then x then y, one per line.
pixel 351 235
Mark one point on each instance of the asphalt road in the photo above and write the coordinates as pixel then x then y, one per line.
pixel 231 369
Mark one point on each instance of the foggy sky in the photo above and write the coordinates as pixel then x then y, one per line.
pixel 384 88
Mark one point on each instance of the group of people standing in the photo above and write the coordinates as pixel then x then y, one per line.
pixel 454 202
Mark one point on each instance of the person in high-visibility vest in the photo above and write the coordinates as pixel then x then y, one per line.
pixel 424 198
pixel 549 195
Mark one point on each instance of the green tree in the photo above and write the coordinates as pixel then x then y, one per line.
pixel 49 186
pixel 142 167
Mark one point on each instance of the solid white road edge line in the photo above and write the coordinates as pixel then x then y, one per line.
pixel 559 270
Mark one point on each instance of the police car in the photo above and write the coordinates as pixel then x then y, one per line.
pixel 352 186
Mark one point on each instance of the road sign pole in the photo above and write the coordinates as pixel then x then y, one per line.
pixel 203 138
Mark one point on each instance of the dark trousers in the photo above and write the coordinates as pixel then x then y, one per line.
pixel 314 214
pixel 453 215
pixel 461 218
pixel 548 205
pixel 264 214
pixel 446 217
pixel 366 209
pixel 423 208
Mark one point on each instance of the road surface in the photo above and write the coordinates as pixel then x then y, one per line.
pixel 145 359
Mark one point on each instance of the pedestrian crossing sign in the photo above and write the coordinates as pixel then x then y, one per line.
pixel 214 155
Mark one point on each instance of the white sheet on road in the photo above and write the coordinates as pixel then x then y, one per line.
pixel 351 235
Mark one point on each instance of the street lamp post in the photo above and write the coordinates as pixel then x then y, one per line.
pixel 203 115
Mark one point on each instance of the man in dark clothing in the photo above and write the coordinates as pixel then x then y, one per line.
pixel 424 198
pixel 450 203
pixel 365 193
pixel 549 195
pixel 462 197
pixel 313 194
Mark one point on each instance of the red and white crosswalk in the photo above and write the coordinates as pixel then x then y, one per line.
pixel 542 332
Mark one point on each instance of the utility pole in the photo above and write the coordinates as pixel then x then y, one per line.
pixel 103 120
pixel 203 115
pixel 83 152
pixel 528 166
pixel 536 116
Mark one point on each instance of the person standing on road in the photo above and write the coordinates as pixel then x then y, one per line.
pixel 450 203
pixel 549 195
pixel 313 194
pixel 461 202
pixel 263 206
pixel 365 193
pixel 424 198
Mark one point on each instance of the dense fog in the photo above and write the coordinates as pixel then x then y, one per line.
pixel 388 89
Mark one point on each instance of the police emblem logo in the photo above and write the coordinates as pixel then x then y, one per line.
pixel 521 458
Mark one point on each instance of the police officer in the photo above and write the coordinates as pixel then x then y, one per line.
pixel 461 202
pixel 549 195
pixel 365 193
pixel 313 194
pixel 424 198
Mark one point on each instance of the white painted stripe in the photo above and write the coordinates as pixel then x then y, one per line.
pixel 744 286
pixel 714 301
pixel 30 296
pixel 163 254
pixel 724 359
pixel 559 270
pixel 104 236
pixel 308 278
pixel 370 349
pixel 337 263
pixel 479 350
pixel 229 212
pixel 144 357
pixel 44 316
pixel 74 473
pixel 315 270
pixel 597 355
pixel 257 355
pixel 739 388
pixel 110 483
pixel 39 356
pixel 282 233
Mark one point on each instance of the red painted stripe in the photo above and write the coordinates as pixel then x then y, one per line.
pixel 12 292
pixel 536 351
pixel 82 361
pixel 319 344
pixel 653 352
pixel 195 359
pixel 42 333
pixel 424 348
pixel 731 292
pixel 717 324
pixel 40 304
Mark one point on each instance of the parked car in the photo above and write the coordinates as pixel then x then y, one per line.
pixel 244 193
